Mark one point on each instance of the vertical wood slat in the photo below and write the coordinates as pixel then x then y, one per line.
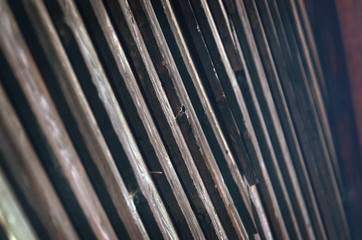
pixel 289 43
pixel 315 80
pixel 230 76
pixel 277 136
pixel 283 150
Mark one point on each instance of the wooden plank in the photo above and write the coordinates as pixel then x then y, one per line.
pixel 190 125
pixel 195 33
pixel 265 230
pixel 275 127
pixel 116 117
pixel 222 101
pixel 314 151
pixel 212 39
pixel 25 168
pixel 306 24
pixel 25 71
pixel 86 122
pixel 204 110
pixel 166 119
pixel 126 84
pixel 286 120
pixel 315 79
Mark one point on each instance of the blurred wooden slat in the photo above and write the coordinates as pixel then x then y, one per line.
pixel 307 126
pixel 12 219
pixel 14 48
pixel 24 165
pixel 284 112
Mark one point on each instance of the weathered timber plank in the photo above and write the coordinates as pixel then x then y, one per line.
pixel 212 39
pixel 204 110
pixel 187 17
pixel 265 232
pixel 196 141
pixel 190 125
pixel 274 126
pixel 262 124
pixel 30 81
pixel 314 79
pixel 166 119
pixel 116 117
pixel 86 122
pixel 25 168
pixel 126 84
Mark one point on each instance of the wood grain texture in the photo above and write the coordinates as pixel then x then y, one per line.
pixel 31 83
pixel 19 157
pixel 206 108
pixel 179 150
pixel 175 188
pixel 95 142
pixel 118 121
pixel 166 119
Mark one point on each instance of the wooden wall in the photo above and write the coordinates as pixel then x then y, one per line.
pixel 168 119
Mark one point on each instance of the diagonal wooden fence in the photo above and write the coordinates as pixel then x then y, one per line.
pixel 164 119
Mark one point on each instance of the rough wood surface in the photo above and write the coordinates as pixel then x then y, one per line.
pixel 166 119
pixel 41 104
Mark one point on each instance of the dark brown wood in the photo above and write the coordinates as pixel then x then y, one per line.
pixel 228 74
pixel 192 130
pixel 285 117
pixel 168 119
pixel 193 83
pixel 274 126
pixel 315 79
pixel 298 98
pixel 221 99
pixel 270 114
pixel 125 80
